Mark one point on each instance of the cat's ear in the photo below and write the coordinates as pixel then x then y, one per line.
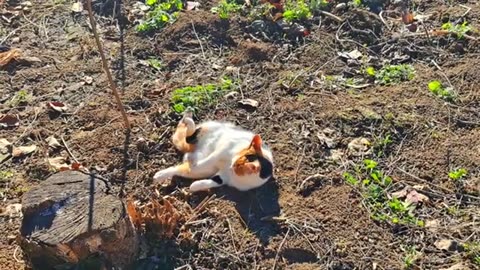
pixel 257 143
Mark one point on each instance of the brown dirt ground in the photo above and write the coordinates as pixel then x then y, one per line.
pixel 324 224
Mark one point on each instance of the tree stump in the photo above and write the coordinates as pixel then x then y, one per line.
pixel 71 220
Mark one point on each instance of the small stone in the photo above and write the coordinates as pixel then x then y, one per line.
pixel 88 80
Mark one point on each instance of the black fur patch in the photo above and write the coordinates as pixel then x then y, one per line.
pixel 217 179
pixel 266 167
pixel 193 139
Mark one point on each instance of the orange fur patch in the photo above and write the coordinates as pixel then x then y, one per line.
pixel 179 139
pixel 184 167
pixel 246 168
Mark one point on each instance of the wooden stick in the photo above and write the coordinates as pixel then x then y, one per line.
pixel 105 66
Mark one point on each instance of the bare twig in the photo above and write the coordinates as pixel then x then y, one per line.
pixel 199 41
pixel 197 211
pixel 105 66
pixel 443 73
pixel 467 11
pixel 68 149
pixel 15 255
pixel 315 176
pixel 280 248
pixel 332 16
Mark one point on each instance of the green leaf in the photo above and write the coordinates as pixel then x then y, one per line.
pixel 350 179
pixel 435 86
pixel 179 108
pixel 151 2
pixel 370 71
pixel 370 164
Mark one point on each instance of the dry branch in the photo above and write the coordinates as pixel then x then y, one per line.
pixel 105 66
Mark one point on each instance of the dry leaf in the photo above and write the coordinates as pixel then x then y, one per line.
pixel 9 120
pixel 5 146
pixel 67 253
pixel 407 17
pixel 5 149
pixel 191 5
pixel 57 106
pixel 75 166
pixel 329 142
pixel 12 210
pixel 445 244
pixel 159 218
pixel 134 215
pixel 249 102
pixel 23 150
pixel 414 197
pixel 400 194
pixel 77 7
pixel 432 224
pixel 52 142
pixel 359 146
pixel 59 163
pixel 6 57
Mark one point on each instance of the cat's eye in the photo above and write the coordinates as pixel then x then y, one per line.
pixel 251 158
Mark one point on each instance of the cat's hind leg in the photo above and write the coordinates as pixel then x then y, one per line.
pixel 185 128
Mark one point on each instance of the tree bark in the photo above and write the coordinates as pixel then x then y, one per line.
pixel 70 219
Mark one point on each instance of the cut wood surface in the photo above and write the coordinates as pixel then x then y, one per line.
pixel 70 217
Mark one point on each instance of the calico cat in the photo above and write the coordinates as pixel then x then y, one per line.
pixel 219 153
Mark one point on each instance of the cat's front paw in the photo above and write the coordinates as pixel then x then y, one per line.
pixel 161 176
pixel 202 185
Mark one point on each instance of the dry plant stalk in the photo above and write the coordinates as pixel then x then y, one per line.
pixel 160 219
pixel 6 57
pixel 105 66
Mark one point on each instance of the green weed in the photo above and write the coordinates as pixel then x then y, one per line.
pixel 438 89
pixel 155 63
pixel 357 3
pixel 381 143
pixel 410 257
pixel 392 74
pixel 5 175
pixel 261 11
pixel 21 97
pixel 200 95
pixel 163 12
pixel 458 29
pixel 296 11
pixel 473 252
pixel 318 4
pixel 457 174
pixel 371 183
pixel 225 8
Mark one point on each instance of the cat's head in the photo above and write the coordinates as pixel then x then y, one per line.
pixel 255 159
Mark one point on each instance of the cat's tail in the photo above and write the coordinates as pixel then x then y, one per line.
pixel 185 128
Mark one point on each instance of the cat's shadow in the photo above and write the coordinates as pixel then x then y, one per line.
pixel 255 207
